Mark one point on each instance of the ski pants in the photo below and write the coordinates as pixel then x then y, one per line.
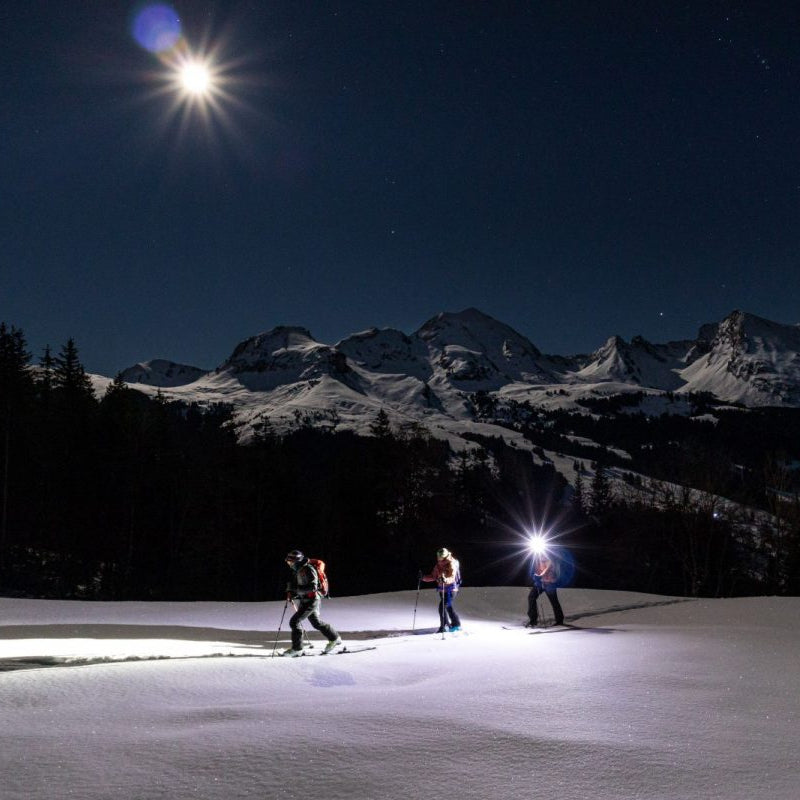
pixel 446 596
pixel 533 611
pixel 307 608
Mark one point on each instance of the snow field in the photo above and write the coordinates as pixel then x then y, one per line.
pixel 651 699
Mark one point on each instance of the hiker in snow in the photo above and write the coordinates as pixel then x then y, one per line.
pixel 303 591
pixel 447 574
pixel 544 573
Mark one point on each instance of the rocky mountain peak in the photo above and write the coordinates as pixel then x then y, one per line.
pixel 161 373
pixel 433 374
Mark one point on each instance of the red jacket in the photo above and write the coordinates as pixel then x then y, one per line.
pixel 447 572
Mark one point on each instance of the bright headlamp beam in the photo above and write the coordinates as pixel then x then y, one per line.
pixel 537 544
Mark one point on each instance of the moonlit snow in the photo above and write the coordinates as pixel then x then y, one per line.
pixel 650 697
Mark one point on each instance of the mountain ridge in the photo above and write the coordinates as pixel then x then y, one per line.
pixel 432 375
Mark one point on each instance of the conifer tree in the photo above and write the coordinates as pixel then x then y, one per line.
pixel 601 491
pixel 381 428
pixel 14 357
pixel 264 431
pixel 69 374
pixel 579 498
pixel 117 386
pixel 44 380
pixel 16 389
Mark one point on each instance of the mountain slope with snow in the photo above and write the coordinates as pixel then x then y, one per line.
pixel 432 376
pixel 638 362
pixel 751 361
pixel 161 373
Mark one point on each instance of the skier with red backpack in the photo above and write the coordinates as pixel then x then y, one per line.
pixel 307 585
pixel 447 575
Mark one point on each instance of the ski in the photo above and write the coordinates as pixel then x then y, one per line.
pixel 537 629
pixel 429 632
pixel 550 629
pixel 343 651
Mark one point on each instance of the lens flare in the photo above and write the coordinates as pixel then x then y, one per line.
pixel 157 28
pixel 201 81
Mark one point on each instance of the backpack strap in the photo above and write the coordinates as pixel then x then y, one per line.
pixel 316 576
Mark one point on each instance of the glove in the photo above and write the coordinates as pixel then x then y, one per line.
pixel 419 575
pixel 311 595
pixel 288 596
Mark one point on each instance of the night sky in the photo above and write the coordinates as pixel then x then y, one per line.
pixel 574 169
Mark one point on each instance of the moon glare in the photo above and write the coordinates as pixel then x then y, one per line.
pixel 195 78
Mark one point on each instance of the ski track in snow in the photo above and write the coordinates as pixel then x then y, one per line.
pixel 265 644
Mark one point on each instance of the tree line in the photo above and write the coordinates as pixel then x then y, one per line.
pixel 127 496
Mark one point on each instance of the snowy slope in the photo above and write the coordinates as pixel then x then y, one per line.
pixel 284 355
pixel 476 352
pixel 389 352
pixel 430 376
pixel 638 362
pixel 161 373
pixel 648 697
pixel 752 361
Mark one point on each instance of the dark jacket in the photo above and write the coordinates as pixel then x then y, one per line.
pixel 303 582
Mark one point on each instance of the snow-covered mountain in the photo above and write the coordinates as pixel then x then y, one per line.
pixel 750 360
pixel 476 352
pixel 161 373
pixel 638 362
pixel 283 355
pixel 433 375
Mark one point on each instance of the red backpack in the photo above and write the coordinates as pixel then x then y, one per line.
pixel 318 565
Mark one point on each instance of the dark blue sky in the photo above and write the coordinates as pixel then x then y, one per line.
pixel 575 169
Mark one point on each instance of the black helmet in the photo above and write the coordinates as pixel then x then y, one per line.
pixel 293 556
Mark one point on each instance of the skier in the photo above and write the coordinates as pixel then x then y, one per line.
pixel 544 572
pixel 447 574
pixel 303 591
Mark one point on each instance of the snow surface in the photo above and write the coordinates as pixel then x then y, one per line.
pixel 650 697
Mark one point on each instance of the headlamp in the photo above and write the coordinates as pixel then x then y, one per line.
pixel 537 544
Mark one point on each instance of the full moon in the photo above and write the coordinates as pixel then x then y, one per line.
pixel 195 78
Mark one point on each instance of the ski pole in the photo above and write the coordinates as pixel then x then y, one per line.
pixel 414 620
pixel 442 609
pixel 280 625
